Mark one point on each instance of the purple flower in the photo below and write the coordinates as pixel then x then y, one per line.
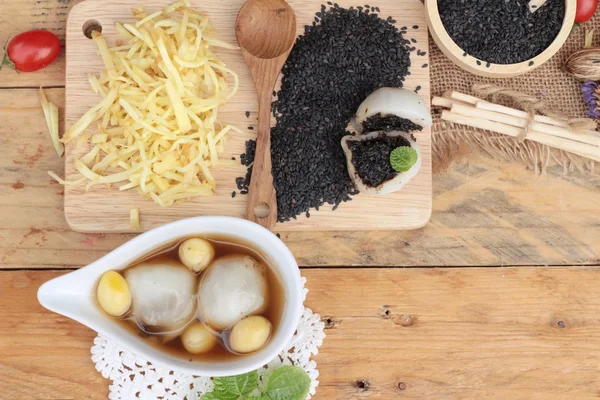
pixel 591 96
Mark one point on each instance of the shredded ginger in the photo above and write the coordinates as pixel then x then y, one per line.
pixel 157 120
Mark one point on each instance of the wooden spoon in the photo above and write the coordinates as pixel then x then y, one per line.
pixel 266 31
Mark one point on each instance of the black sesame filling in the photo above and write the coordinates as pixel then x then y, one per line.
pixel 378 122
pixel 339 60
pixel 371 158
pixel 501 31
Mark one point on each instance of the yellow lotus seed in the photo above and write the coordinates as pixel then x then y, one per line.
pixel 196 253
pixel 113 294
pixel 198 339
pixel 250 334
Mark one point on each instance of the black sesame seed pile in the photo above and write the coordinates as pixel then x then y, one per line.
pixel 389 123
pixel 371 158
pixel 344 56
pixel 501 31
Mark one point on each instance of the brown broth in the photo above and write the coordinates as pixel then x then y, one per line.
pixel 223 246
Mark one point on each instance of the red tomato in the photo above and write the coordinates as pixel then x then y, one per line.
pixel 32 50
pixel 585 10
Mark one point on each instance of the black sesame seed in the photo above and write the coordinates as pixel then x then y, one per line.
pixel 247 114
pixel 425 65
pixel 250 128
pixel 278 235
pixel 378 122
pixel 233 194
pixel 371 158
pixel 334 65
pixel 478 62
pixel 488 64
pixel 413 40
pixel 415 26
pixel 501 32
pixel 530 63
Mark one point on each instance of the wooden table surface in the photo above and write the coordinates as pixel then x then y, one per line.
pixel 452 326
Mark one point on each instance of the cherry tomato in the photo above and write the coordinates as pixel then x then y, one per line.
pixel 585 10
pixel 32 50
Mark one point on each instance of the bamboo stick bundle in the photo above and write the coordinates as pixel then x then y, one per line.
pixel 468 110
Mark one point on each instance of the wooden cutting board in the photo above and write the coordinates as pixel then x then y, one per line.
pixel 105 209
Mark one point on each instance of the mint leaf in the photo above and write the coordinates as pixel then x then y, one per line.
pixel 210 396
pixel 402 158
pixel 288 383
pixel 232 387
pixel 263 397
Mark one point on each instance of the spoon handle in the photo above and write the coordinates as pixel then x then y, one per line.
pixel 262 201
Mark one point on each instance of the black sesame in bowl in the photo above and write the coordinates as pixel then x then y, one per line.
pixel 391 108
pixel 381 162
pixel 387 123
pixel 501 31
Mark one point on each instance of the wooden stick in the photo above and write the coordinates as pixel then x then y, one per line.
pixel 445 102
pixel 470 111
pixel 467 110
pixel 582 149
pixel 484 105
pixel 442 102
pixel 464 98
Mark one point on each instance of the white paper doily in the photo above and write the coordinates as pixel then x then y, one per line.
pixel 134 378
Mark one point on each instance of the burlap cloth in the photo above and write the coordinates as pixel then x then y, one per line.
pixel 562 92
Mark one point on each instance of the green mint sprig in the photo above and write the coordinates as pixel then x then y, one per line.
pixel 402 158
pixel 285 383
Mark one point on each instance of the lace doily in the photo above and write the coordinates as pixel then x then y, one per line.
pixel 135 378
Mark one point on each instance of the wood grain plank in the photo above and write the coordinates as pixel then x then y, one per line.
pixel 484 212
pixel 468 333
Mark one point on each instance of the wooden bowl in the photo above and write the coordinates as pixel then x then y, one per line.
pixel 469 63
